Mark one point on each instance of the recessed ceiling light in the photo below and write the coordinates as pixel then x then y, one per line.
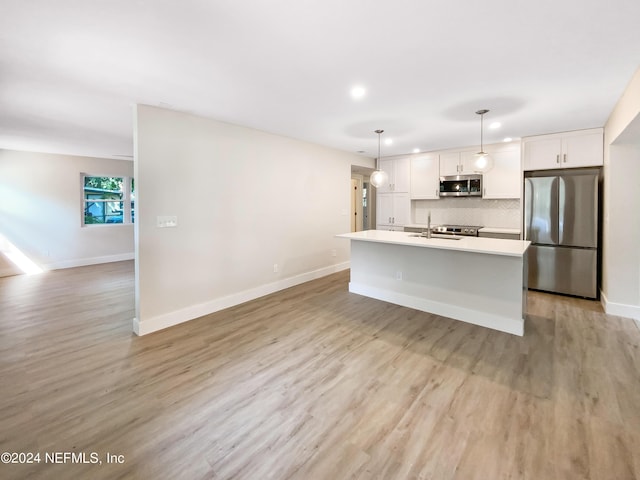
pixel 388 141
pixel 358 92
pixel 416 150
pixel 507 139
pixel 495 125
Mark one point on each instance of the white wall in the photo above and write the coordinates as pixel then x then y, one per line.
pixel 245 200
pixel 621 229
pixel 41 209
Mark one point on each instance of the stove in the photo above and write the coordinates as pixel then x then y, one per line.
pixel 465 230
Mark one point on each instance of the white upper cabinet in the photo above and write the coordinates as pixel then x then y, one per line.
pixel 582 148
pixel 398 171
pixel 456 163
pixel 504 180
pixel 425 176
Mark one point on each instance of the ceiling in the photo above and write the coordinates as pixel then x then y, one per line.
pixel 70 71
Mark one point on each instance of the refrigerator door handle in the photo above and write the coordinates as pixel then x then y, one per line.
pixel 555 211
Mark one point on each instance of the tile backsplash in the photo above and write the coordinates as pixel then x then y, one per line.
pixel 468 211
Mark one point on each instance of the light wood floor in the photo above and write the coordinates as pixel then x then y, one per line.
pixel 312 383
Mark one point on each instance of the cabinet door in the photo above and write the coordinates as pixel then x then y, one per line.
pixel 467 162
pixel 387 166
pixel 425 177
pixel 542 153
pixel 504 180
pixel 384 210
pixel 583 150
pixel 450 163
pixel 401 174
pixel 401 209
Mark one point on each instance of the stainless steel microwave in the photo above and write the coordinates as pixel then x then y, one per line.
pixel 461 186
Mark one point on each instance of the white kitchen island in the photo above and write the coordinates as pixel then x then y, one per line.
pixel 477 280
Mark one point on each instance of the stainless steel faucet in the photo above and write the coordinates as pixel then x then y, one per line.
pixel 429 225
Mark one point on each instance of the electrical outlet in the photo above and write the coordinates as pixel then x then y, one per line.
pixel 275 268
pixel 398 275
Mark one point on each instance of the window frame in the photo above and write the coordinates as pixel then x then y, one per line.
pixel 127 199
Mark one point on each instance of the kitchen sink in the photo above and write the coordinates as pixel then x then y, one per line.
pixel 435 235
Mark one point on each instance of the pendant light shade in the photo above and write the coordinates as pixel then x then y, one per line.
pixel 482 160
pixel 378 177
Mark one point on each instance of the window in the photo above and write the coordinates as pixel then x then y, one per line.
pixel 108 200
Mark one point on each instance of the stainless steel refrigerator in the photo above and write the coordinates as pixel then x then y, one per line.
pixel 561 219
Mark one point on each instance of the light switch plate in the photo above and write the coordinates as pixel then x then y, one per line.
pixel 167 221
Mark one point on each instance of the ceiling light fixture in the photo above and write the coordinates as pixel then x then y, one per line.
pixel 507 139
pixel 495 125
pixel 378 177
pixel 416 150
pixel 388 141
pixel 358 92
pixel 483 161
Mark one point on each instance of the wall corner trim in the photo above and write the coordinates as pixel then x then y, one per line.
pixel 176 317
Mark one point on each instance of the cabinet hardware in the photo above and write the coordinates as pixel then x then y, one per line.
pixel 565 158
pixel 558 158
pixel 389 219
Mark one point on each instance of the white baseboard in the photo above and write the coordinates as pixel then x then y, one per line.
pixel 82 262
pixel 620 309
pixel 196 311
pixel 484 319
pixel 9 272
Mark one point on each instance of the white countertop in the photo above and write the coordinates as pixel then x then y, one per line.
pixel 511 231
pixel 491 246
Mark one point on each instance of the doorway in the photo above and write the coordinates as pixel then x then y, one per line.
pixel 363 200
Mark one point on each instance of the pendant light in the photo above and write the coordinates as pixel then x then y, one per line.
pixel 482 160
pixel 379 177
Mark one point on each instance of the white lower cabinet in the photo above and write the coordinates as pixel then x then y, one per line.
pixel 393 211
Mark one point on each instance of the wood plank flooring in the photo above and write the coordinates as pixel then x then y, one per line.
pixel 311 383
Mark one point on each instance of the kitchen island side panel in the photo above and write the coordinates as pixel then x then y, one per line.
pixel 482 289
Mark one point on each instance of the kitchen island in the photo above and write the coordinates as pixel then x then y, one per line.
pixel 477 280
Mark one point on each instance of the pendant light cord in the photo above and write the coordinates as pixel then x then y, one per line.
pixel 481 131
pixel 379 132
pixel 481 113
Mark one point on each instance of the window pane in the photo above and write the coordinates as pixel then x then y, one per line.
pixel 103 212
pixel 104 183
